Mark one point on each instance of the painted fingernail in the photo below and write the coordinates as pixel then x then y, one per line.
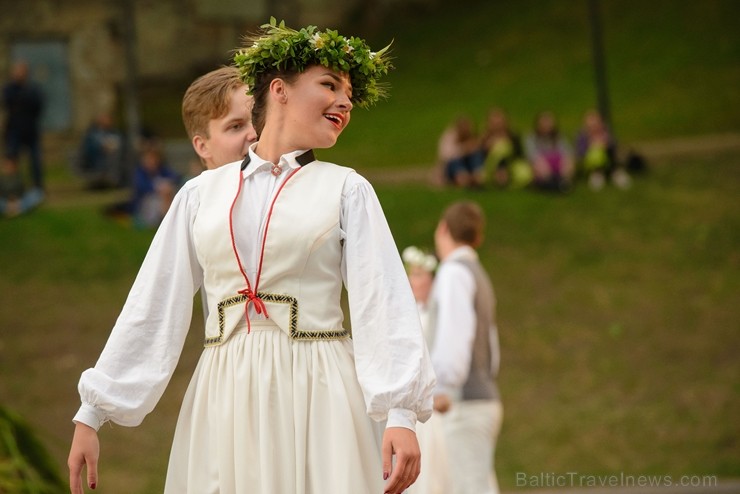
pixel 92 485
pixel 385 475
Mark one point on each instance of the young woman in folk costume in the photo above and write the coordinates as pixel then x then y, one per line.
pixel 284 399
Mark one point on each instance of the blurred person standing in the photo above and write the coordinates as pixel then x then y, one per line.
pixel 435 471
pixel 465 350
pixel 24 104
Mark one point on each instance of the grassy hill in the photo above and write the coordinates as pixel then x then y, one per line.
pixel 618 310
pixel 673 69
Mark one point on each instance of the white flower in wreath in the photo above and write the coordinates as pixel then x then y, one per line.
pixel 316 41
pixel 414 256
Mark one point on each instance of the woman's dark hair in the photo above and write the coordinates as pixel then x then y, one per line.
pixel 262 88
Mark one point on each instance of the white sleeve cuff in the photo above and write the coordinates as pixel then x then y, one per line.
pixel 401 417
pixel 91 416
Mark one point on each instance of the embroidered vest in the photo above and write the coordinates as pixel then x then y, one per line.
pixel 301 278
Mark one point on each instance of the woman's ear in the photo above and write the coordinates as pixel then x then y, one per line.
pixel 278 90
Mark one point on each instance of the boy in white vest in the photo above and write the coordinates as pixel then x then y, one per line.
pixel 465 350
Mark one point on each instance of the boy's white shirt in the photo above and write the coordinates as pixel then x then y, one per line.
pixel 455 322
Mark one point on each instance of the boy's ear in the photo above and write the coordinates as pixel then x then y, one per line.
pixel 478 240
pixel 200 144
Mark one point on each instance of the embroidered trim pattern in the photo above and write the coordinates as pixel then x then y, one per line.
pixel 295 333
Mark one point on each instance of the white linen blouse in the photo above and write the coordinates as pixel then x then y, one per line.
pixel 391 359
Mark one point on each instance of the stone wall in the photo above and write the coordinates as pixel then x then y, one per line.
pixel 92 50
pixel 175 39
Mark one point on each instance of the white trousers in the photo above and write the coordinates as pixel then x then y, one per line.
pixel 471 429
pixel 435 471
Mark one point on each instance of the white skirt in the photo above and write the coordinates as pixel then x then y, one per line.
pixel 266 414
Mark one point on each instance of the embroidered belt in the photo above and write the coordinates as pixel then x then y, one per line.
pixel 295 333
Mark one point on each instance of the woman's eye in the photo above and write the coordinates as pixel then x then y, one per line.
pixel 330 85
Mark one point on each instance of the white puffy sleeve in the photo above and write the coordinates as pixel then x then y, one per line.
pixel 391 358
pixel 146 342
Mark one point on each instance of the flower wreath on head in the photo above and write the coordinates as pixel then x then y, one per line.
pixel 414 256
pixel 279 47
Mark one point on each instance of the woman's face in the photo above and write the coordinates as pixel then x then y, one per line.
pixel 318 107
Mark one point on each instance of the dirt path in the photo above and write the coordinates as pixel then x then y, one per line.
pixel 689 145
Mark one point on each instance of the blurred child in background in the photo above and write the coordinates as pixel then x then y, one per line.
pixel 596 153
pixel 15 198
pixel 460 154
pixel 505 161
pixel 550 154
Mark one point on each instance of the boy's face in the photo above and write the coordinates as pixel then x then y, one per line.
pixel 229 135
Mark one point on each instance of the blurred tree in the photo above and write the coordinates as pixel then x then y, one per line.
pixel 131 97
pixel 597 49
pixel 25 465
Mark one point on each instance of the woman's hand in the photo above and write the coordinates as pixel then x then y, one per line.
pixel 85 451
pixel 402 443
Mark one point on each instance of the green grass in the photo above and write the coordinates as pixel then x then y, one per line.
pixel 617 310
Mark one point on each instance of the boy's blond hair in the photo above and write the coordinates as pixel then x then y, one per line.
pixel 466 223
pixel 208 98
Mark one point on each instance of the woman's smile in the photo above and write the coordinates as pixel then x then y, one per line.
pixel 335 118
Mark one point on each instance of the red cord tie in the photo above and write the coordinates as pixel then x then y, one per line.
pixel 259 305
